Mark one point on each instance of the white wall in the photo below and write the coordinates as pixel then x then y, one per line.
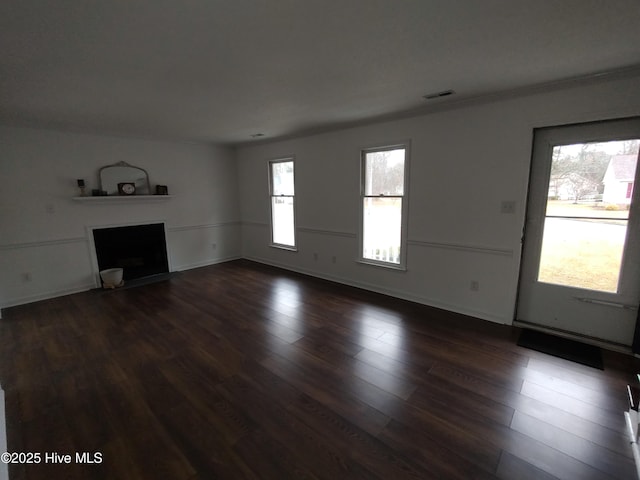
pixel 43 232
pixel 464 162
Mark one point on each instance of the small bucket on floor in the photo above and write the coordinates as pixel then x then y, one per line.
pixel 111 278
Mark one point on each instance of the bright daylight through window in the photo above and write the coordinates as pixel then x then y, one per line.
pixel 283 231
pixel 383 206
pixel 585 226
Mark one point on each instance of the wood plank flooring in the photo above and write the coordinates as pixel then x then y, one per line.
pixel 242 371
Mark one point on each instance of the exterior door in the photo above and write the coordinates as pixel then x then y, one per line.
pixel 580 270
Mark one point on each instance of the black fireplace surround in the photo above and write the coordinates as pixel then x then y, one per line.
pixel 140 250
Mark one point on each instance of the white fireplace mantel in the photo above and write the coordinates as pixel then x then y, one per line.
pixel 123 199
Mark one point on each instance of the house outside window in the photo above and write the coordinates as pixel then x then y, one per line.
pixel 383 206
pixel 282 193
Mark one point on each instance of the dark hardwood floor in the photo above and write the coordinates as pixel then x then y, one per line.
pixel 244 371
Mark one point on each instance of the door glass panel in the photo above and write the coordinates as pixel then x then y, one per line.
pixel 587 213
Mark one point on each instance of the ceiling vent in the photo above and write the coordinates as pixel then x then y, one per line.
pixel 445 93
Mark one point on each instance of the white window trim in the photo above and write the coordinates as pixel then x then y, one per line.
pixel 402 266
pixel 281 246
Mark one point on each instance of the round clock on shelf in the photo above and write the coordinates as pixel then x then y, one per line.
pixel 127 188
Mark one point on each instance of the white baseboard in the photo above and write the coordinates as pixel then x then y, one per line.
pixel 333 278
pixel 388 291
pixel 46 295
pixel 206 263
pixel 60 293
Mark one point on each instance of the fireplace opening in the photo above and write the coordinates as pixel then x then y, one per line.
pixel 140 250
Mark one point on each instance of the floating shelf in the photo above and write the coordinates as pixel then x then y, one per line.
pixel 124 199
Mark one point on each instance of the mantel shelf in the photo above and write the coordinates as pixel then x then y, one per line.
pixel 123 199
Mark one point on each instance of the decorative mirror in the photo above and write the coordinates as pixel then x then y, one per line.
pixel 123 173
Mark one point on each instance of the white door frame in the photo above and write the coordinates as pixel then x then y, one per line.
pixel 606 303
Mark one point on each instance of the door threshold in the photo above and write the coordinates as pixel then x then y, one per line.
pixel 616 347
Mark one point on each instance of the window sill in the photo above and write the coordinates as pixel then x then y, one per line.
pixel 390 266
pixel 283 247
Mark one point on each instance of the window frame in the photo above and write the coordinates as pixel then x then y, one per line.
pixel 272 243
pixel 404 222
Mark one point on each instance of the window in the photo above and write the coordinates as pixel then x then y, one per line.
pixel 383 192
pixel 281 182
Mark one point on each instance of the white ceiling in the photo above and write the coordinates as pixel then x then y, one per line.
pixel 220 71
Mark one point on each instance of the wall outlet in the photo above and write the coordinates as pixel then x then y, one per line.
pixel 508 206
pixel 474 286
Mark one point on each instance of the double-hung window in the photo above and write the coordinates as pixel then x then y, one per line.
pixel 282 192
pixel 384 206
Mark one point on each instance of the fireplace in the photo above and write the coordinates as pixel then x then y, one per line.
pixel 140 250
